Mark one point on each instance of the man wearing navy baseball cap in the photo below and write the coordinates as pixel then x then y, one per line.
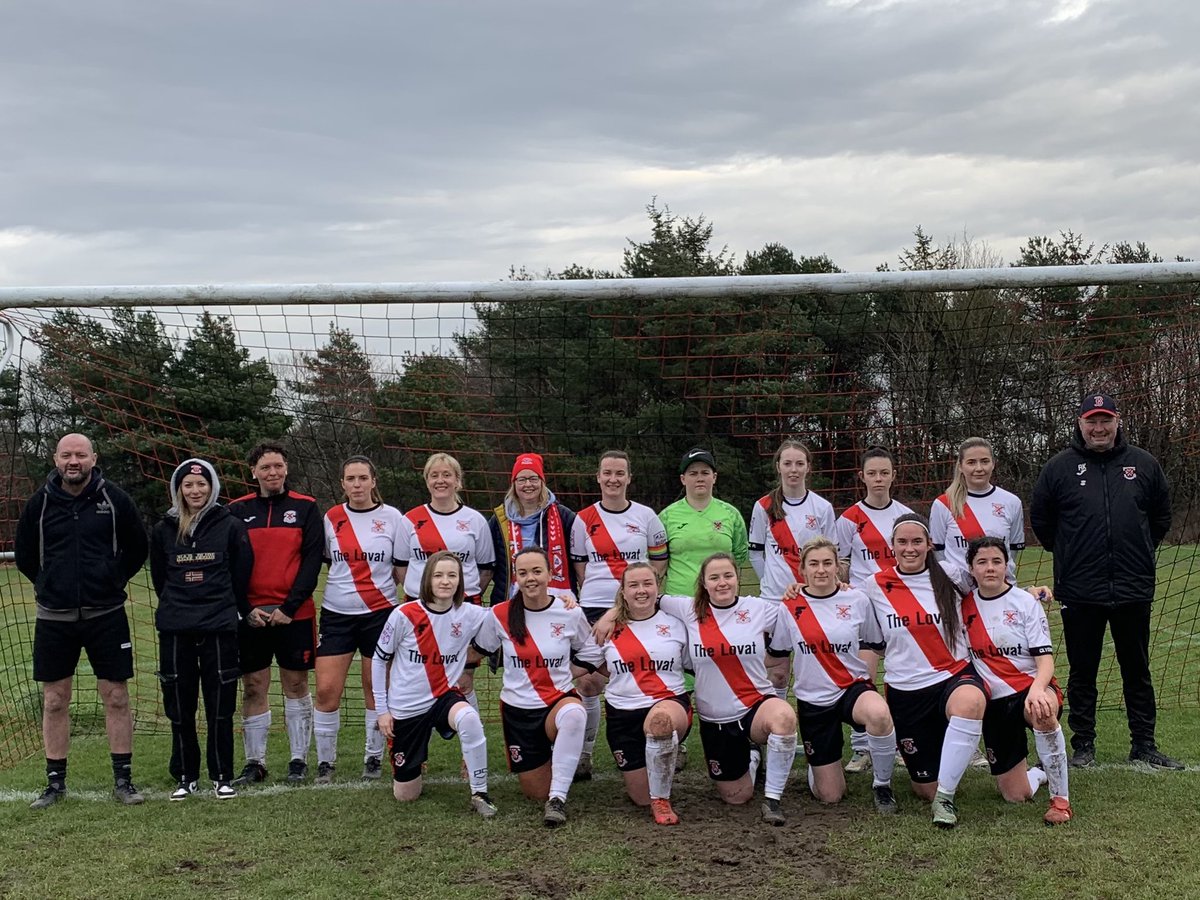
pixel 1102 506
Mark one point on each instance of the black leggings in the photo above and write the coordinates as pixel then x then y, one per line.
pixel 188 663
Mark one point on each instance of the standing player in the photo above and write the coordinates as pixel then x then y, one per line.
pixel 728 645
pixel 530 516
pixel 286 533
pixel 542 716
pixel 200 563
pixel 936 698
pixel 608 536
pixel 780 524
pixel 973 507
pixel 863 533
pixel 824 627
pixel 649 710
pixel 425 645
pixel 699 524
pixel 79 541
pixel 445 523
pixel 1010 642
pixel 364 543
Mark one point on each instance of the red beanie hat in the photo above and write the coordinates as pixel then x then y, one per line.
pixel 529 461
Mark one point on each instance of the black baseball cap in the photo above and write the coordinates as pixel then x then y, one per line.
pixel 697 455
pixel 1094 404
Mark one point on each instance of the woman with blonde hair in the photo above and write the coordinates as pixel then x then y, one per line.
pixel 972 507
pixel 648 708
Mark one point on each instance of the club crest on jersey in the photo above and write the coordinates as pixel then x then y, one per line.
pixel 462 525
pixel 718 525
pixel 663 630
pixel 398 760
pixel 1081 469
pixel 378 526
pixel 1130 472
pixel 556 629
pixel 289 517
pixel 1010 617
pixel 811 523
pixel 456 629
pixel 743 616
pixel 907 747
pixel 843 612
pixel 514 753
pixel 999 511
pixel 714 766
pixel 619 756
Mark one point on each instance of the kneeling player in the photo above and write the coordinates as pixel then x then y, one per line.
pixel 649 711
pixel 425 644
pixel 544 720
pixel 1010 641
pixel 823 630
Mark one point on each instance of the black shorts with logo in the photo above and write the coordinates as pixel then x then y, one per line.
pixel 921 720
pixel 105 639
pixel 821 726
pixel 410 737
pixel 293 646
pixel 626 733
pixel 727 745
pixel 341 633
pixel 1004 730
pixel 525 742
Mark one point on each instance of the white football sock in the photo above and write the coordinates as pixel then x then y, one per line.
pixel 1053 752
pixel 571 720
pixel 592 705
pixel 326 726
pixel 660 764
pixel 376 742
pixel 1037 778
pixel 474 748
pixel 781 753
pixel 962 739
pixel 755 762
pixel 883 757
pixel 254 736
pixel 298 715
pixel 858 741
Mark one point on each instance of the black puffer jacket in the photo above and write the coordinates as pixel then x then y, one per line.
pixel 80 551
pixel 1102 515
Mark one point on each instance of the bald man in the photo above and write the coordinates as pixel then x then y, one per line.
pixel 79 540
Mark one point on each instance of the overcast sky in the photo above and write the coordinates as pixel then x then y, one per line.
pixel 288 141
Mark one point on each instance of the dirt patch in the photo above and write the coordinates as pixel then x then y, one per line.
pixel 716 850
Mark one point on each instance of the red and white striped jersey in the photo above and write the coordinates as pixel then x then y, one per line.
pixel 1006 634
pixel 996 512
pixel 775 546
pixel 729 654
pixel 824 635
pixel 362 546
pixel 609 541
pixel 427 651
pixel 864 536
pixel 463 532
pixel 907 623
pixel 537 672
pixel 646 660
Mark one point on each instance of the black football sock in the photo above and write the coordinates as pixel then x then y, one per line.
pixel 122 764
pixel 56 773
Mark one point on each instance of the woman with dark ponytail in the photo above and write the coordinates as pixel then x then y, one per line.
pixel 936 697
pixel 540 639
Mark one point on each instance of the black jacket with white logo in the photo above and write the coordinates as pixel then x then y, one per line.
pixel 1102 515
pixel 80 551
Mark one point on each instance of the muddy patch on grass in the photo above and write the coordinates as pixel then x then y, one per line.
pixel 715 851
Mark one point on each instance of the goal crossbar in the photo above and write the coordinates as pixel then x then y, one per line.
pixel 593 289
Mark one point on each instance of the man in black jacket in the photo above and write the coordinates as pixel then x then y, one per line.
pixel 1102 506
pixel 79 540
